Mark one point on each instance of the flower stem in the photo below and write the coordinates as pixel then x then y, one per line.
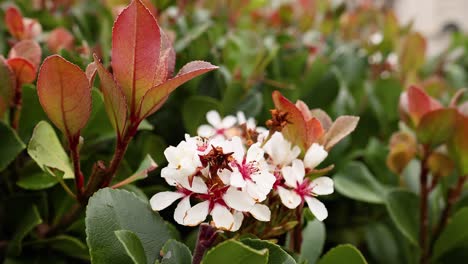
pixel 296 233
pixel 75 154
pixel 424 219
pixel 15 110
pixel 206 237
pixel 453 197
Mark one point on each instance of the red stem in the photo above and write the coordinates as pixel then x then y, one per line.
pixel 424 219
pixel 15 112
pixel 206 237
pixel 75 154
pixel 296 233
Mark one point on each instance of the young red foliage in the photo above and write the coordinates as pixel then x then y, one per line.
pixel 65 94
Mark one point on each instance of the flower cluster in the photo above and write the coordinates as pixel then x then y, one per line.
pixel 233 167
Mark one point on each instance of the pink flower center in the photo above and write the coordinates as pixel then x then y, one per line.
pixel 220 131
pixel 246 169
pixel 214 196
pixel 304 189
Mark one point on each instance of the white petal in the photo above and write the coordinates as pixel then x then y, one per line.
pixel 238 200
pixel 290 199
pixel 229 121
pixel 299 170
pixel 181 210
pixel 317 208
pixel 257 192
pixel 162 200
pixel 314 156
pixel 255 153
pixel 170 175
pixel 198 185
pixel 222 218
pixel 196 214
pixel 238 217
pixel 241 118
pixel 322 186
pixel 213 118
pixel 261 212
pixel 237 180
pixel 171 154
pixel 205 131
pixel 264 179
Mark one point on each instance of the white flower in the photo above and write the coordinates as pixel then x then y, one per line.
pixel 183 161
pixel 280 150
pixel 297 189
pixel 250 171
pixel 314 156
pixel 217 127
pixel 162 200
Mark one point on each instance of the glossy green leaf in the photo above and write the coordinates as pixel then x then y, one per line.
pixel 356 182
pixel 111 210
pixel 37 181
pixel 234 252
pixel 343 254
pixel 403 207
pixel 458 144
pixel 454 235
pixel 276 254
pixel 26 224
pixel 313 240
pixel 194 111
pixel 175 252
pixel 46 150
pixel 11 145
pixel 132 245
pixel 7 86
pixel 69 245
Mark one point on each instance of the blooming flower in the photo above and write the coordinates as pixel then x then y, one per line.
pixel 280 150
pixel 298 189
pixel 218 127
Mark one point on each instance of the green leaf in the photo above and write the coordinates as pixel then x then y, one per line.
pixel 110 210
pixel 31 112
pixel 194 111
pixel 234 252
pixel 27 223
pixel 132 245
pixel 403 207
pixel 343 254
pixel 454 235
pixel 276 254
pixel 70 246
pixel 99 127
pixel 437 126
pixel 382 244
pixel 313 236
pixel 37 181
pixel 11 145
pixel 174 252
pixel 356 182
pixel 46 150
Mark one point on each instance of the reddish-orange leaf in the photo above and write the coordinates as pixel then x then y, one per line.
pixel 65 94
pixel 91 71
pixel 296 131
pixel 342 127
pixel 7 86
pixel 60 38
pixel 166 61
pixel 14 22
pixel 114 99
pixel 314 131
pixel 419 103
pixel 24 70
pixel 136 43
pixel 28 49
pixel 153 98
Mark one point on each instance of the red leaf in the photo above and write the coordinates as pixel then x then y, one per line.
pixel 60 38
pixel 419 103
pixel 114 99
pixel 7 86
pixel 314 131
pixel 65 94
pixel 136 43
pixel 296 131
pixel 28 49
pixel 166 61
pixel 14 22
pixel 24 70
pixel 153 98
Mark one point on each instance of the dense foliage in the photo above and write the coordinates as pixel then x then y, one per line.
pixel 299 132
